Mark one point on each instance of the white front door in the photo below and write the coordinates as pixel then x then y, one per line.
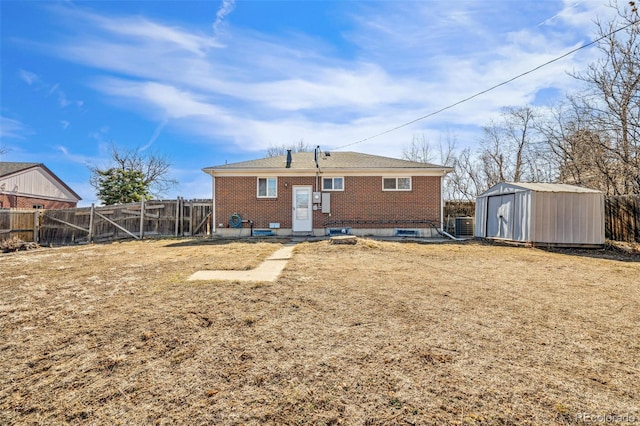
pixel 302 212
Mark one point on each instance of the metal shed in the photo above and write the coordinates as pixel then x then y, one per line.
pixel 541 213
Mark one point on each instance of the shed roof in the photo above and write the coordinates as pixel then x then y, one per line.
pixel 510 187
pixel 332 160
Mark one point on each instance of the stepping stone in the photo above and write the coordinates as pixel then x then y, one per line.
pixel 344 239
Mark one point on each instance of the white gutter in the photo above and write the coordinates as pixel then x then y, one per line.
pixel 213 202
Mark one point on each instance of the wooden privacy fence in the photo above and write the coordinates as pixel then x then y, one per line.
pixel 154 218
pixel 19 223
pixel 622 218
pixel 194 217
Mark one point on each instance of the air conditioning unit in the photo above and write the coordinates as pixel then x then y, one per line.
pixel 464 226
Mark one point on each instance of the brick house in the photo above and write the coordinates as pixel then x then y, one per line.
pixel 33 185
pixel 315 193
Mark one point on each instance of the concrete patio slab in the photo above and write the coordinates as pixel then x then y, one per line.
pixel 269 270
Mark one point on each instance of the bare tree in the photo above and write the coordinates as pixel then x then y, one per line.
pixel 510 149
pixel 465 182
pixel 301 146
pixel 442 153
pixel 576 146
pixel 152 171
pixel 422 151
pixel 612 98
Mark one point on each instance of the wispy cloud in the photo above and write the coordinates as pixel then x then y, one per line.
pixel 101 135
pixel 12 129
pixel 154 33
pixel 410 58
pixel 28 77
pixel 225 9
pixel 34 80
pixel 156 134
pixel 85 160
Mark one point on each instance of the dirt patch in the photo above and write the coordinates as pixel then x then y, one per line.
pixel 374 333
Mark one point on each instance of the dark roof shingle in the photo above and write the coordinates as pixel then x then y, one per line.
pixel 333 160
pixel 7 168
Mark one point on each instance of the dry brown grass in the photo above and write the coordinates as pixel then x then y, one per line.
pixel 376 333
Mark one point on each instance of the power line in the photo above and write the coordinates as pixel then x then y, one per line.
pixel 490 88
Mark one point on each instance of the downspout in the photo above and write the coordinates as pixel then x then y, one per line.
pixel 442 202
pixel 213 202
pixel 441 231
pixel 315 157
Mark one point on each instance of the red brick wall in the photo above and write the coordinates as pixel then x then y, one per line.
pixel 19 202
pixel 363 198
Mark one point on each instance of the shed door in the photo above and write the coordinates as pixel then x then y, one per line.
pixel 302 212
pixel 500 216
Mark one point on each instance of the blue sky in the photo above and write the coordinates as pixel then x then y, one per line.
pixel 209 82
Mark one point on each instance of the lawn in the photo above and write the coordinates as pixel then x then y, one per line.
pixel 375 333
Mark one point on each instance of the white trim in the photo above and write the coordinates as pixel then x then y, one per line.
pixel 332 184
pixel 39 197
pixel 267 186
pixel 396 188
pixel 309 221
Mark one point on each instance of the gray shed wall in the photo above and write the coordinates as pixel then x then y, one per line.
pixel 559 218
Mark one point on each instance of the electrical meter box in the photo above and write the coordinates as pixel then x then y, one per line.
pixel 326 202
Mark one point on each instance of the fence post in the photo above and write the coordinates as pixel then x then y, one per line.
pixel 36 226
pixel 90 236
pixel 142 217
pixel 191 218
pixel 636 214
pixel 177 213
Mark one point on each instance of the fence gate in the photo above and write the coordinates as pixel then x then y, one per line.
pixel 154 218
pixel 19 223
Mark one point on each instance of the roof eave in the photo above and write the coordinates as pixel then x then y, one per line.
pixel 312 171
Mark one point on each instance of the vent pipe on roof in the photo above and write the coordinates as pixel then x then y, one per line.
pixel 288 166
pixel 315 155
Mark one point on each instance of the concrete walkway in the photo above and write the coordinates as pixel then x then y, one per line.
pixel 266 271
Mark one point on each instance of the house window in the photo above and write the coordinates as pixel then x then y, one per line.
pixel 396 184
pixel 267 187
pixel 38 206
pixel 333 184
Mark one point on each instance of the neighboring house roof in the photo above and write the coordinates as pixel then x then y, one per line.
pixel 511 187
pixel 9 170
pixel 333 161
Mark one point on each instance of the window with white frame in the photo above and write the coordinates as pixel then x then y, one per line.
pixel 333 184
pixel 396 184
pixel 267 187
